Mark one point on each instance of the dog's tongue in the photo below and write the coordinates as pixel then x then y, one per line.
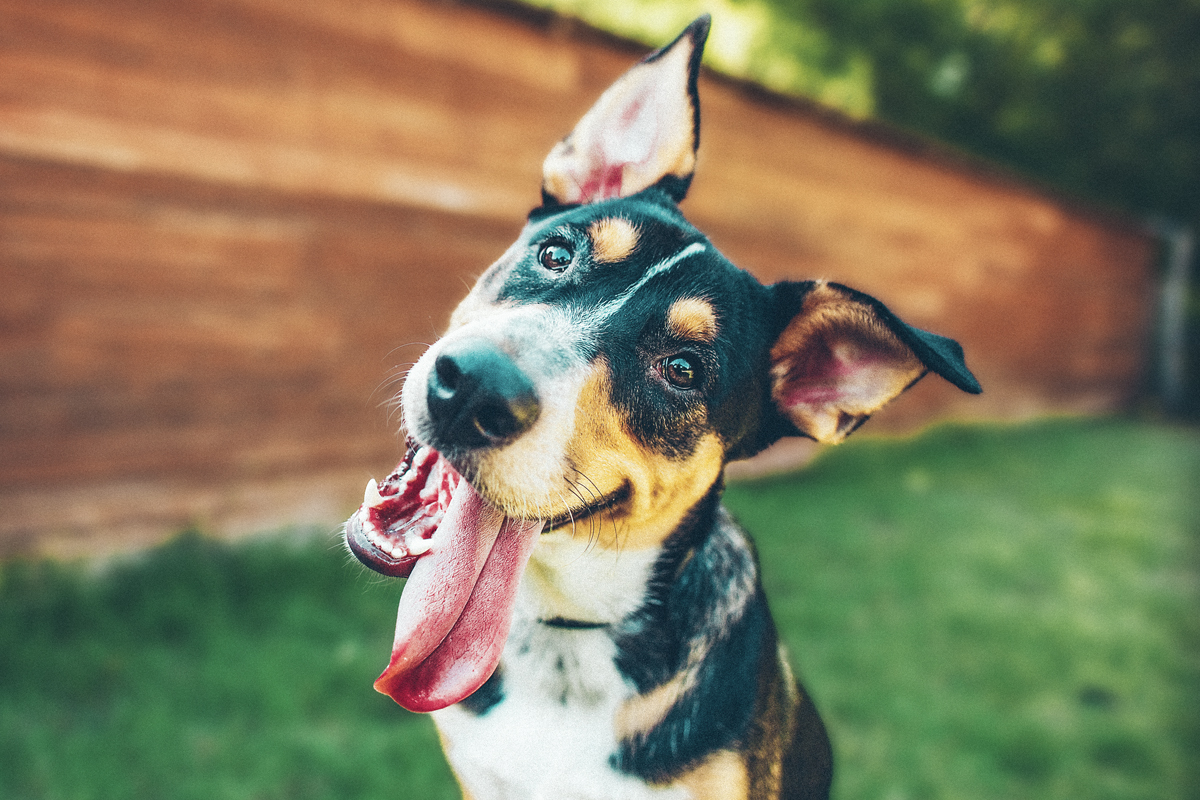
pixel 457 606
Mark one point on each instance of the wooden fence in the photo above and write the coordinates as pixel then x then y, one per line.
pixel 225 228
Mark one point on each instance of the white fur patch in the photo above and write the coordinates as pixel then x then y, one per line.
pixel 570 578
pixel 561 688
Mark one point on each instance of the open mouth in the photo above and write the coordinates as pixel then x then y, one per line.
pixel 463 559
pixel 398 518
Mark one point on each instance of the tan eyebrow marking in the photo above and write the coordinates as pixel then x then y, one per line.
pixel 693 319
pixel 613 239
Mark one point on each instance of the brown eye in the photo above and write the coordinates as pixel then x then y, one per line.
pixel 680 371
pixel 555 257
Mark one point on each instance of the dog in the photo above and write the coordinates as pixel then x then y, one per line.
pixel 582 617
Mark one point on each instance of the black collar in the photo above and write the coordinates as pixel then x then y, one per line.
pixel 572 624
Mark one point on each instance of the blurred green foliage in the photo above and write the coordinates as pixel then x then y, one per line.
pixel 996 612
pixel 1098 97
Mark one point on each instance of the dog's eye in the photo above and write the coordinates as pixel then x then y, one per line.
pixel 555 256
pixel 681 371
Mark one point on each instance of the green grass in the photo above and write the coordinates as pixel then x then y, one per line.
pixel 997 613
pixel 206 671
pixel 981 612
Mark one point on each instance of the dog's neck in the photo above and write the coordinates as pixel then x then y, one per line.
pixel 572 582
pixel 570 578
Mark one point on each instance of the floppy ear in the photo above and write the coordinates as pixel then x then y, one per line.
pixel 841 356
pixel 643 131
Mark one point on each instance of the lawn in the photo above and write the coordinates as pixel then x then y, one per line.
pixel 981 612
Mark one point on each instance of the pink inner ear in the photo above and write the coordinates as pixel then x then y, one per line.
pixel 603 183
pixel 813 379
pixel 836 364
pixel 622 145
pixel 632 112
pixel 827 375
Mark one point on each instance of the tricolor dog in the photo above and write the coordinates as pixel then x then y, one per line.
pixel 582 617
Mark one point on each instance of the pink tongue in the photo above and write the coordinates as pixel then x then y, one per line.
pixel 456 608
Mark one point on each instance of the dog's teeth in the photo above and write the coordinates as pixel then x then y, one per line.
pixel 372 497
pixel 376 537
pixel 418 546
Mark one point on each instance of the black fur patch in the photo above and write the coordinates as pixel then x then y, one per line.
pixel 572 624
pixel 486 697
pixel 649 642
pixel 686 604
pixel 713 715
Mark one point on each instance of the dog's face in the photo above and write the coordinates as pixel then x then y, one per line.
pixel 598 377
pixel 607 364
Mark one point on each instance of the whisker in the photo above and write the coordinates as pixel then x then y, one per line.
pixel 578 492
pixel 597 528
pixel 586 483
pixel 567 505
pixel 396 374
pixel 399 347
pixel 584 501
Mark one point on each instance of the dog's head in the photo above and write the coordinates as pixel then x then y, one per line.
pixel 607 367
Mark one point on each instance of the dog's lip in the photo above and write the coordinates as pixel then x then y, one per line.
pixel 467 465
pixel 574 516
pixel 372 555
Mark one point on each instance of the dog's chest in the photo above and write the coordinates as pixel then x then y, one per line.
pixel 551 735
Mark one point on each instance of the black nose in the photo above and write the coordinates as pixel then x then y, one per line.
pixel 478 396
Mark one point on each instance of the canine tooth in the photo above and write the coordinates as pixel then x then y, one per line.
pixel 372 497
pixel 418 546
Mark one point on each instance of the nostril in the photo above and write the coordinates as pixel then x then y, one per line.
pixel 495 422
pixel 447 374
pixel 503 419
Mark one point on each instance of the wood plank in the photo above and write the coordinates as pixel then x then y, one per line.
pixel 227 227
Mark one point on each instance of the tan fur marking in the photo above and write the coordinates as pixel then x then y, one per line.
pixel 663 490
pixel 693 319
pixel 773 726
pixel 831 322
pixel 602 458
pixel 642 712
pixel 722 777
pixel 613 239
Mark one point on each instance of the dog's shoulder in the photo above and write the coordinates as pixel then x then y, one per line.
pixel 695 652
